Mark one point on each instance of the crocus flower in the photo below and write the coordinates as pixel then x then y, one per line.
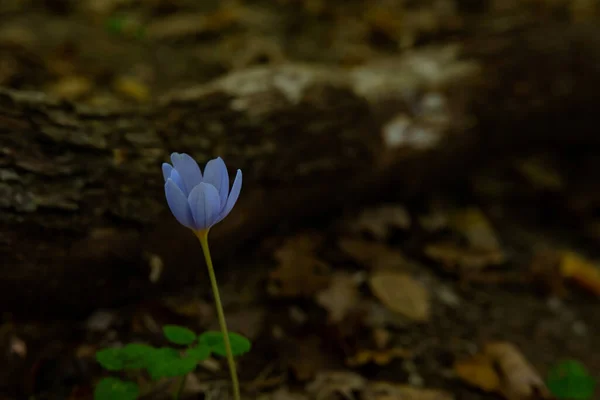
pixel 199 202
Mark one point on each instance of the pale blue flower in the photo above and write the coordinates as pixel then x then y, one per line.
pixel 197 201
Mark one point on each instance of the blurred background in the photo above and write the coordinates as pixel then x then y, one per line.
pixel 420 217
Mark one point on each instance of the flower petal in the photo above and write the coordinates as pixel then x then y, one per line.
pixel 177 179
pixel 216 174
pixel 233 196
pixel 178 204
pixel 166 170
pixel 204 203
pixel 188 169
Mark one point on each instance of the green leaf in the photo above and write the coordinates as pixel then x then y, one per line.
pixel 179 334
pixel 570 380
pixel 132 356
pixel 239 344
pixel 166 362
pixel 111 359
pixel 200 352
pixel 116 389
pixel 137 355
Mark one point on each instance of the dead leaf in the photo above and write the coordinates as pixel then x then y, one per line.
pixel 434 221
pixel 100 321
pixel 299 272
pixel 501 368
pixel 132 88
pixel 379 316
pixel 520 381
pixel 456 257
pixel 545 270
pixel 380 221
pixel 341 297
pixel 189 306
pixel 581 271
pixel 476 228
pixel 331 385
pixel 267 380
pixel 308 358
pixel 378 357
pixel 391 391
pixel 375 256
pixel 478 371
pixel 381 337
pixel 385 20
pixel 18 346
pixel 71 87
pixel 193 385
pixel 247 321
pixel 540 173
pixel 402 293
pixel 285 394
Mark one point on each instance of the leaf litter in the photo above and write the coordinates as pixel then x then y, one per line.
pixel 363 300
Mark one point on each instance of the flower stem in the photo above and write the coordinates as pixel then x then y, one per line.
pixel 180 388
pixel 203 236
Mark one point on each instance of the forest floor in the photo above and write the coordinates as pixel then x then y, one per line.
pixel 471 294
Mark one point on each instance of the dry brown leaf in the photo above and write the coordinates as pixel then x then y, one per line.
pixel 332 385
pixel 381 337
pixel 308 358
pixel 401 293
pixel 71 87
pixel 390 391
pixel 545 270
pixel 375 256
pixel 476 228
pixel 378 316
pixel 132 88
pixel 299 272
pixel 385 20
pixel 434 221
pixel 501 368
pixel 378 357
pixel 341 297
pixel 455 257
pixel 519 380
pixel 285 394
pixel 187 306
pixel 581 271
pixel 478 371
pixel 380 221
pixel 247 321
pixel 540 174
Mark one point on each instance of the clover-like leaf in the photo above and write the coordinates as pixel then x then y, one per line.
pixel 137 355
pixel 179 334
pixel 111 359
pixel 166 362
pixel 132 356
pixel 200 352
pixel 569 380
pixel 239 344
pixel 116 389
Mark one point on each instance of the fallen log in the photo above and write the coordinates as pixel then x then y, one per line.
pixel 83 218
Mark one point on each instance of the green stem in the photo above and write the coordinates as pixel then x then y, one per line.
pixel 180 388
pixel 203 236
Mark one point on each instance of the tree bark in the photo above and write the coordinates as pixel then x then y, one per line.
pixel 84 223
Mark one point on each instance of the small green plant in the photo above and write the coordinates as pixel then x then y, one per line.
pixel 162 362
pixel 198 201
pixel 569 380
